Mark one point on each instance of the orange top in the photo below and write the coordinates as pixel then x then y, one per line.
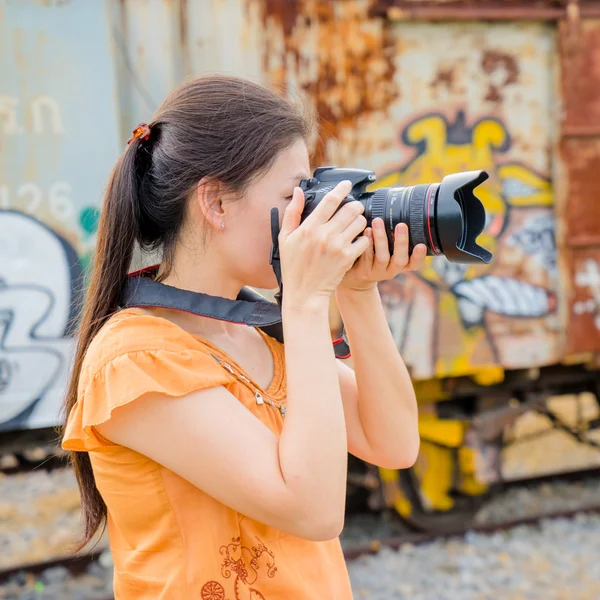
pixel 168 538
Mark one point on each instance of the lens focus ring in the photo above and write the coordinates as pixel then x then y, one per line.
pixel 378 203
pixel 417 225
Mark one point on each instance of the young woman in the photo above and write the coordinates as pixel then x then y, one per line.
pixel 207 492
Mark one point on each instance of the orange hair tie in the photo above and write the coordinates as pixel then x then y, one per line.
pixel 142 131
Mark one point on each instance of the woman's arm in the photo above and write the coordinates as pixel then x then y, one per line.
pixel 379 399
pixel 296 483
pixel 313 447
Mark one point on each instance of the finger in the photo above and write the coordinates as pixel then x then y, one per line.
pixel 356 227
pixel 293 213
pixel 330 203
pixel 382 250
pixel 417 258
pixel 345 217
pixel 360 246
pixel 400 257
pixel 369 254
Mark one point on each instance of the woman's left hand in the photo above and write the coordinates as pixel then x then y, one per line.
pixel 375 264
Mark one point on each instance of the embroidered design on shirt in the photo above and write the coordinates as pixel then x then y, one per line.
pixel 244 564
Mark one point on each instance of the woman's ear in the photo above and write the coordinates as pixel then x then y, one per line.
pixel 208 200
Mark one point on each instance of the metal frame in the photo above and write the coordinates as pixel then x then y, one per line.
pixel 487 10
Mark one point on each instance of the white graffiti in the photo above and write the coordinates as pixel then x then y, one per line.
pixel 43 111
pixel 30 198
pixel 37 272
pixel 8 115
pixel 503 296
pixel 589 278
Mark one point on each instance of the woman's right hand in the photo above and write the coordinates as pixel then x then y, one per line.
pixel 316 254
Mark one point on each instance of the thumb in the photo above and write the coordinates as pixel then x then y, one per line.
pixel 292 214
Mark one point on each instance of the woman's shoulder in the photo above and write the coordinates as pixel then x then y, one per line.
pixel 132 331
pixel 132 355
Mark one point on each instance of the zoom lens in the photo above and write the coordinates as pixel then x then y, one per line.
pixel 447 217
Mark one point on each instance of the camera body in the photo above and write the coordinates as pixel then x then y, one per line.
pixel 447 217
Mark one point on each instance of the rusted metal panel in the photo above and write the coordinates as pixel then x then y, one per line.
pixel 415 102
pixel 347 78
pixel 580 54
pixel 579 209
pixel 489 10
pixel 581 159
pixel 58 139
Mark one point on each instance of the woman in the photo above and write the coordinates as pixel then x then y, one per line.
pixel 207 492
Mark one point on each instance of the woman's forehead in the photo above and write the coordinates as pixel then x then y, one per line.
pixel 293 163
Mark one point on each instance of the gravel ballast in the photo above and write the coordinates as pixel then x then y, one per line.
pixel 40 519
pixel 557 560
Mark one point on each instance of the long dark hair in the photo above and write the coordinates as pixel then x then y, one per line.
pixel 224 128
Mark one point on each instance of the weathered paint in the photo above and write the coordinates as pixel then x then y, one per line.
pixel 485 10
pixel 584 321
pixel 411 100
pixel 463 96
pixel 58 139
pixel 579 210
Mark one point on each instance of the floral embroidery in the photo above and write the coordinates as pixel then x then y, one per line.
pixel 212 591
pixel 245 563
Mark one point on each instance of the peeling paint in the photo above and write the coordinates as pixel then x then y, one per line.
pixel 342 61
pixel 503 71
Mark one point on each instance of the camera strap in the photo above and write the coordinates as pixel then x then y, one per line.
pixel 250 308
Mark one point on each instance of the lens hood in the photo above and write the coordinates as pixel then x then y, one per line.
pixel 460 217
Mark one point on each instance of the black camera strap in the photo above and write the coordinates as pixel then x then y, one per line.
pixel 275 258
pixel 141 290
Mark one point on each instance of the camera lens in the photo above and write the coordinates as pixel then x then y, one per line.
pixel 413 205
pixel 447 217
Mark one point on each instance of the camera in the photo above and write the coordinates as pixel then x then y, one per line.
pixel 447 217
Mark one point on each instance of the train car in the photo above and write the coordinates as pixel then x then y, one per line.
pixel 411 89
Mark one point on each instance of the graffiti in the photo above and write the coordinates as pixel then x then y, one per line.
pixel 441 317
pixel 44 116
pixel 589 278
pixel 39 275
pixel 502 295
pixel 537 239
pixel 30 198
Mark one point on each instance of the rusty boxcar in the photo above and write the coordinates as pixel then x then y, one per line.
pixel 413 89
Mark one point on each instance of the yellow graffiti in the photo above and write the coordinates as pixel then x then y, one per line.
pixel 444 148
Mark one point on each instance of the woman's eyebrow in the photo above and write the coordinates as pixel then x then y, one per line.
pixel 300 176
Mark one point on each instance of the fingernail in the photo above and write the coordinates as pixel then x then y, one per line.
pixel 378 223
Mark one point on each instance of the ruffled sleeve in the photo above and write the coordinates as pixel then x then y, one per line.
pixel 129 376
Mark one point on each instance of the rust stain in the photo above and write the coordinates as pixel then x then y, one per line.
pixel 342 59
pixel 581 158
pixel 444 78
pixel 581 76
pixel 285 12
pixel 493 61
pixel 580 144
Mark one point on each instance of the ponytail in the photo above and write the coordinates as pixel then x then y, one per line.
pixel 117 233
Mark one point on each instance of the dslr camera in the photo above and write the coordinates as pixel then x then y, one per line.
pixel 447 217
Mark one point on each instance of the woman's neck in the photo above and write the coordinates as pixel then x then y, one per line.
pixel 205 275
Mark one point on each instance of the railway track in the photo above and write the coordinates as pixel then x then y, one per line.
pixel 395 542
pixel 80 566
